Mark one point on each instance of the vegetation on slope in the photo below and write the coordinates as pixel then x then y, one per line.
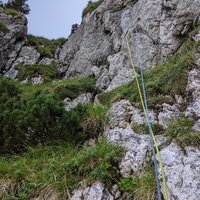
pixel 47 72
pixel 167 79
pixel 91 6
pixel 70 88
pixel 3 27
pixel 45 46
pixel 40 116
pixel 60 168
pixel 141 187
pixel 12 12
pixel 181 130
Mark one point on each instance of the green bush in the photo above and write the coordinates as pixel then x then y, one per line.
pixel 94 120
pixel 12 12
pixel 71 88
pixel 59 167
pixel 180 129
pixel 3 27
pixel 141 187
pixel 36 119
pixel 48 72
pixel 45 46
pixel 91 6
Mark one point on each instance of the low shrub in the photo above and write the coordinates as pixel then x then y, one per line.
pixel 181 130
pixel 3 27
pixel 91 6
pixel 45 46
pixel 12 12
pixel 48 72
pixel 141 187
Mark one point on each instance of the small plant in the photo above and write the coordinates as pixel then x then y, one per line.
pixel 141 187
pixel 12 12
pixel 94 120
pixel 45 46
pixel 3 27
pixel 180 129
pixel 91 6
pixel 143 129
pixel 48 72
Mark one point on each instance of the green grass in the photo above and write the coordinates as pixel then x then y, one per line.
pixel 141 187
pixel 143 129
pixel 161 82
pixel 60 167
pixel 95 120
pixel 65 88
pixel 180 129
pixel 12 12
pixel 45 46
pixel 91 6
pixel 48 72
pixel 3 27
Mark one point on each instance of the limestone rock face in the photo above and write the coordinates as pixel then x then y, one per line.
pixel 193 88
pixel 156 29
pixel 182 172
pixel 12 41
pixel 96 192
pixel 119 132
pixel 83 99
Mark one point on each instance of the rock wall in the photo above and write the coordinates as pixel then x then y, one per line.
pixel 157 29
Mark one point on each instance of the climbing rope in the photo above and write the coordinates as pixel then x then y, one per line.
pixel 154 143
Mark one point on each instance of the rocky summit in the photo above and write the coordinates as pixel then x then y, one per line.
pixel 72 123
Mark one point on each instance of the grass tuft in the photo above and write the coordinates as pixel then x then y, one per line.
pixel 141 187
pixel 3 28
pixel 61 167
pixel 12 12
pixel 91 6
pixel 180 129
pixel 48 72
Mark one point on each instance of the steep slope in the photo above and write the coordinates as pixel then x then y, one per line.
pixel 165 40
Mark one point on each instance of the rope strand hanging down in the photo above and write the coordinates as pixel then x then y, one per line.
pixel 152 136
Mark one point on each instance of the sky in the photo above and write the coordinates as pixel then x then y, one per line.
pixel 53 18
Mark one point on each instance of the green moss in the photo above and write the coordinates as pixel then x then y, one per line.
pixel 3 27
pixel 12 12
pixel 91 6
pixel 48 72
pixel 180 129
pixel 140 187
pixel 45 46
pixel 161 82
pixel 60 167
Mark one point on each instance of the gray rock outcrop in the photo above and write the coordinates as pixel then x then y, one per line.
pixel 182 172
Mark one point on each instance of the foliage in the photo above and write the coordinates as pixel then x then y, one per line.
pixel 71 88
pixel 143 128
pixel 3 27
pixel 48 72
pixel 181 130
pixel 168 79
pixel 45 46
pixel 18 5
pixel 141 187
pixel 13 12
pixel 91 6
pixel 94 120
pixel 60 167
